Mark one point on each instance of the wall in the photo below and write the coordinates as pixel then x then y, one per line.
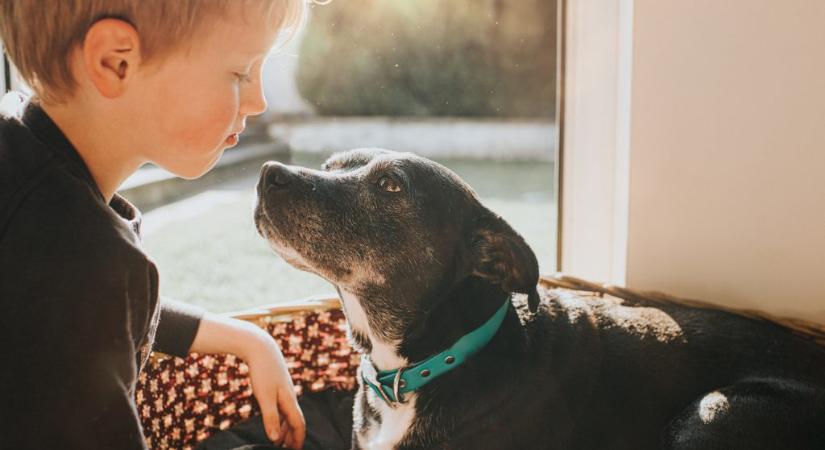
pixel 727 174
pixel 726 152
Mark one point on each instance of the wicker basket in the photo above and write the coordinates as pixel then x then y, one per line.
pixel 183 401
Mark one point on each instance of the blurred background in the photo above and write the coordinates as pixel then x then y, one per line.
pixel 468 83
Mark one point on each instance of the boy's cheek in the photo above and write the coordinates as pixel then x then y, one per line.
pixel 205 130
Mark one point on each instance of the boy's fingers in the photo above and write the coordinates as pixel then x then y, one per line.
pixel 289 441
pixel 288 436
pixel 295 419
pixel 285 429
pixel 272 423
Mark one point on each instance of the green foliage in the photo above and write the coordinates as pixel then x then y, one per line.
pixel 430 57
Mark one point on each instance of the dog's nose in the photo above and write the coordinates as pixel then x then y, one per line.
pixel 276 175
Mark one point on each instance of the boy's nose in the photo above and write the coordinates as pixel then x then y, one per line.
pixel 253 101
pixel 276 175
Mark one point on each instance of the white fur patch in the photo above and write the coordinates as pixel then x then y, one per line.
pixel 384 354
pixel 713 406
pixel 395 421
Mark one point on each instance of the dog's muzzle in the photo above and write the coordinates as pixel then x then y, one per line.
pixel 275 176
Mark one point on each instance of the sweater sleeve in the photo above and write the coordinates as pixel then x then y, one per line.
pixel 177 328
pixel 72 303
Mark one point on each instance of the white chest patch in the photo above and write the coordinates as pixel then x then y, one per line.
pixel 395 421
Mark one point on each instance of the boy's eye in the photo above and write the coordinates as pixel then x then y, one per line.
pixel 388 184
pixel 243 77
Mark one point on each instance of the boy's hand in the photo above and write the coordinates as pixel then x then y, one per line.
pixel 272 386
pixel 271 383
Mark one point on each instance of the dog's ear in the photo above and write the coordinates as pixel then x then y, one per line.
pixel 501 256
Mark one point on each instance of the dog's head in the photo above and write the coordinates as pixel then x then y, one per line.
pixel 395 229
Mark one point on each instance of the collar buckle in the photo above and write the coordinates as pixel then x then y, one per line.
pixel 387 399
pixel 425 371
pixel 396 382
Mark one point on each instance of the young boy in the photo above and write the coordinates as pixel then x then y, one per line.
pixel 118 83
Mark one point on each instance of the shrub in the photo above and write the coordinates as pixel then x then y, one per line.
pixel 430 57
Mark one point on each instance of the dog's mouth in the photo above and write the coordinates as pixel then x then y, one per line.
pixel 296 234
pixel 267 229
pixel 267 223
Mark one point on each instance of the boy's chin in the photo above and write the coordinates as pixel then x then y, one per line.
pixel 193 170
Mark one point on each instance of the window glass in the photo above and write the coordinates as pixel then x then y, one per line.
pixel 469 84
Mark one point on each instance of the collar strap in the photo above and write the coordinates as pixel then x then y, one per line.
pixel 391 385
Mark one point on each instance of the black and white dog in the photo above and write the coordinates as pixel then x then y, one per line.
pixel 453 359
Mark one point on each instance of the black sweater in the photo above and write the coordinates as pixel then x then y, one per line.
pixel 79 305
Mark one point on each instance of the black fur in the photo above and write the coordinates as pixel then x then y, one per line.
pixel 429 263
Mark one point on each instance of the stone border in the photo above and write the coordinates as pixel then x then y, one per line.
pixel 440 138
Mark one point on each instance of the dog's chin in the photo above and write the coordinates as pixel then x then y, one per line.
pixel 296 260
pixel 292 257
pixel 343 278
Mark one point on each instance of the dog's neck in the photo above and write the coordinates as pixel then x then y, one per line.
pixel 467 306
pixel 382 352
pixel 461 310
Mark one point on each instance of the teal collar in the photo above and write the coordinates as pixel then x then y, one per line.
pixel 391 385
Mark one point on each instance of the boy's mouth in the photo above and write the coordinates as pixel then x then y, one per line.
pixel 232 139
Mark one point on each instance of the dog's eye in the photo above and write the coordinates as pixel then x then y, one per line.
pixel 387 183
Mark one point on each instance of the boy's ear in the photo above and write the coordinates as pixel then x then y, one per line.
pixel 111 54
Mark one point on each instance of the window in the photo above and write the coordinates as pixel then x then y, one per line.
pixel 470 87
pixel 337 86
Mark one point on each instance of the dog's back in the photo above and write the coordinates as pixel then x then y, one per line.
pixel 632 373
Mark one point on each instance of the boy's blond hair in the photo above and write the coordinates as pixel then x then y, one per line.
pixel 39 36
